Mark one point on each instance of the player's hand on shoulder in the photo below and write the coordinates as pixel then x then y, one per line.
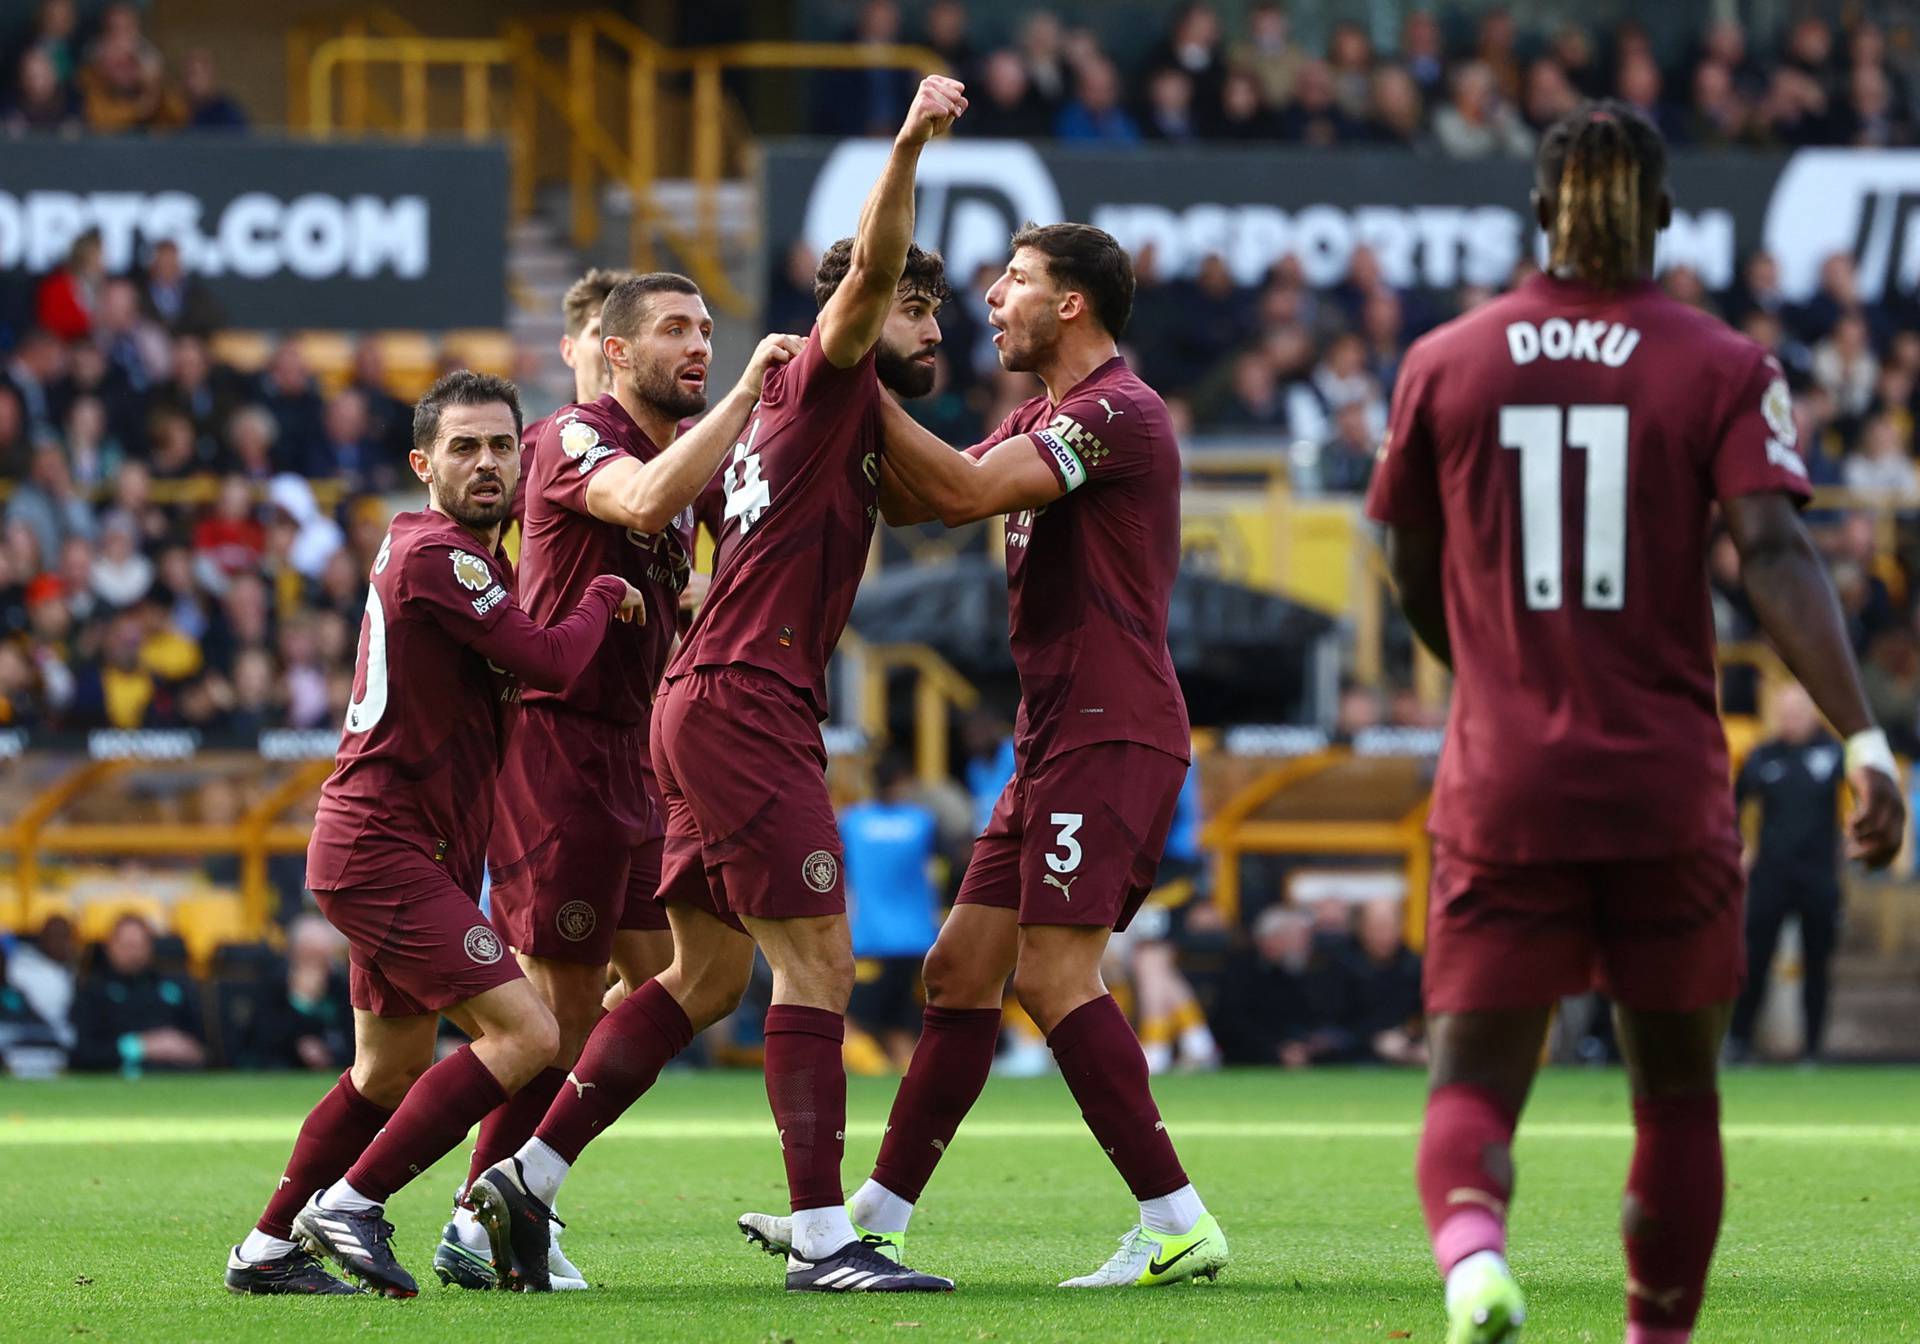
pixel 1878 825
pixel 936 105
pixel 633 607
pixel 772 351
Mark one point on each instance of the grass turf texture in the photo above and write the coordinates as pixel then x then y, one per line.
pixel 120 1200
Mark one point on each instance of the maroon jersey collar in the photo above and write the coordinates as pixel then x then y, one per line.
pixel 1546 285
pixel 1100 372
pixel 609 404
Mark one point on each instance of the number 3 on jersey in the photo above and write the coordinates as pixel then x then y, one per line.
pixel 1540 433
pixel 748 492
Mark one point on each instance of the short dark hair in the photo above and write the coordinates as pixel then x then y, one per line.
pixel 462 387
pixel 625 311
pixel 925 273
pixel 585 297
pixel 1091 261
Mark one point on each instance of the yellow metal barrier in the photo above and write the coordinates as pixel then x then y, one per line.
pixel 938 689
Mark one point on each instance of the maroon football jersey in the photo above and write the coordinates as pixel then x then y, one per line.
pixel 427 722
pixel 529 435
pixel 1090 576
pixel 1571 442
pixel 564 547
pixel 802 492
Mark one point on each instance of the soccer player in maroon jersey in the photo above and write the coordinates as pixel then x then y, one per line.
pixel 398 845
pixel 575 856
pixel 753 850
pixel 1088 476
pixel 1548 487
pixel 580 351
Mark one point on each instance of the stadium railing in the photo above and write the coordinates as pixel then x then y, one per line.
pixel 506 83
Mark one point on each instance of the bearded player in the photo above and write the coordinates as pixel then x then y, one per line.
pixel 753 850
pixel 575 858
pixel 1088 476
pixel 1548 486
pixel 580 351
pixel 398 847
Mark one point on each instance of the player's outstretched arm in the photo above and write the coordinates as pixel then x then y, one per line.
pixel 1413 560
pixel 959 487
pixel 1795 602
pixel 550 659
pixel 647 496
pixel 851 321
pixel 899 505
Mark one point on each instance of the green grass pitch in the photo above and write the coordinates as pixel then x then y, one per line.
pixel 118 1201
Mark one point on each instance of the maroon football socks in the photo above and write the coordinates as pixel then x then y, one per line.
pixel 507 1127
pixel 807 1088
pixel 622 1059
pixel 336 1132
pixel 949 1069
pixel 438 1111
pixel 1101 1060
pixel 1676 1189
pixel 1465 1172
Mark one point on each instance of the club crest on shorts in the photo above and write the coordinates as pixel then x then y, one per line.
pixel 483 945
pixel 820 870
pixel 575 920
pixel 471 570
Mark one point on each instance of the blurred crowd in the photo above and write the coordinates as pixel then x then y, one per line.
pixel 1462 85
pixel 104 75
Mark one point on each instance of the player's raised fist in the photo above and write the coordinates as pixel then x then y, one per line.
pixel 772 350
pixel 1878 822
pixel 633 607
pixel 937 103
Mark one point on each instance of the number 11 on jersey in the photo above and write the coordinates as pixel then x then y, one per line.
pixel 1540 434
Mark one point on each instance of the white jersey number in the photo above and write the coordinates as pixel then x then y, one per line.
pixel 1069 858
pixel 1540 434
pixel 749 493
pixel 363 713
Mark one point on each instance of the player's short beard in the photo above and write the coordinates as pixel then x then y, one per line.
pixel 1023 354
pixel 903 373
pixel 659 386
pixel 468 512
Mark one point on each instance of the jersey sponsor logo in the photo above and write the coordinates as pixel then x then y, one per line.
pixel 575 921
pixel 578 438
pixel 1072 471
pixel 488 600
pixel 471 570
pixel 820 870
pixel 483 945
pixel 1607 343
pixel 595 455
pixel 1079 438
pixel 1066 887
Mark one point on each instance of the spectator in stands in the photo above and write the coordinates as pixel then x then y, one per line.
pixel 1725 44
pixel 117 689
pixel 1339 379
pixel 1844 364
pixel 75 572
pixel 1254 401
pixel 54 26
pixel 230 540
pixel 304 1020
pixel 347 449
pixel 33 373
pixel 1043 53
pixel 1243 114
pixel 92 455
pixel 1794 111
pixel 868 101
pixel 1350 62
pixel 1169 112
pixel 208 108
pixel 41 969
pixel 1345 460
pixel 122 574
pixel 175 300
pixel 1383 988
pixel 1094 114
pixel 257 699
pixel 129 1017
pixel 1172 1027
pixel 317 538
pixel 1282 996
pixel 389 419
pixel 1758 288
pixel 123 85
pixel 1216 319
pixel 1314 117
pixel 47 504
pixel 1719 116
pixel 1638 85
pixel 16 444
pixel 1192 45
pixel 1423 52
pixel 1882 466
pixel 133 344
pixel 944 29
pixel 41 103
pixel 1870 117
pixel 63 304
pixel 288 393
pixel 1496 48
pixel 19 687
pixel 1000 105
pixel 91 373
pixel 1475 124
pixel 1395 115
pixel 252 434
pixel 1891 675
pixel 1268 53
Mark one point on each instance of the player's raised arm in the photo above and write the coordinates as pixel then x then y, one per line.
pixel 899 505
pixel 964 487
pixel 851 321
pixel 646 496
pixel 1795 603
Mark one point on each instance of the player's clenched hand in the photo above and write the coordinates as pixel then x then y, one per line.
pixel 775 349
pixel 633 607
pixel 935 106
pixel 1878 822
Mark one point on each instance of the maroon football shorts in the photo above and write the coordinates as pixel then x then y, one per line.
pixel 1654 935
pixel 417 943
pixel 577 836
pixel 743 774
pixel 1077 839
